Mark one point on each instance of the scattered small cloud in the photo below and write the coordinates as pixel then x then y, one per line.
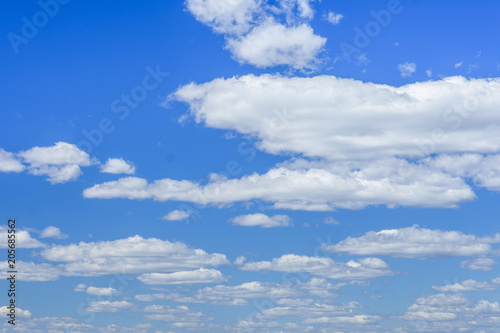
pixel 429 72
pixel 118 166
pixel 407 69
pixel 177 215
pixel 334 18
pixel 52 232
pixel 478 264
pixel 261 220
pixel 458 64
pixel 330 220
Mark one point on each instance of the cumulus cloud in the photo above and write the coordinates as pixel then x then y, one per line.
pixel 177 215
pixel 8 162
pixel 478 264
pixel 373 143
pixel 201 275
pixel 225 16
pixel 61 162
pixel 255 35
pixel 322 188
pixel 334 18
pixel 415 242
pixel 118 166
pixel 30 271
pixel 261 220
pixel 108 291
pixel 452 313
pixel 133 255
pixel 240 294
pixel 20 313
pixel 272 44
pixel 467 285
pixel 407 69
pixel 367 268
pixel 23 239
pixel 345 119
pixel 52 232
pixel 179 314
pixel 108 306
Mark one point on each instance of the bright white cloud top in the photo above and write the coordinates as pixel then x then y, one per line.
pixel 118 166
pixel 261 220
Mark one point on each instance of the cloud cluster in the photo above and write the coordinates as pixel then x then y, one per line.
pixel 367 268
pixel 452 313
pixel 261 34
pixel 133 255
pixel 240 294
pixel 415 242
pixel 61 162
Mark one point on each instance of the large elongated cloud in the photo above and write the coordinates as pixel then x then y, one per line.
pixel 388 182
pixel 133 255
pixel 415 242
pixel 345 119
pixel 367 268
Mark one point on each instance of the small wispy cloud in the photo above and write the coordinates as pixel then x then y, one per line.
pixel 407 69
pixel 458 64
pixel 334 18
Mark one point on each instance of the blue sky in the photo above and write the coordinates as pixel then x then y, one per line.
pixel 252 165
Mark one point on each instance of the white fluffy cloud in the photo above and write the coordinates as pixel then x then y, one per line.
pixel 254 34
pixel 61 162
pixel 108 306
pixel 198 276
pixel 322 188
pixel 96 291
pixel 415 242
pixel 467 285
pixel 118 166
pixel 8 163
pixel 225 16
pixel 23 240
pixel 452 313
pixel 20 313
pixel 261 220
pixel 407 69
pixel 478 264
pixel 52 232
pixel 133 255
pixel 177 215
pixel 273 44
pixel 179 314
pixel 345 119
pixel 232 295
pixel 334 18
pixel 363 134
pixel 30 271
pixel 367 268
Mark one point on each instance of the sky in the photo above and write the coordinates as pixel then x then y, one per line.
pixel 251 165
